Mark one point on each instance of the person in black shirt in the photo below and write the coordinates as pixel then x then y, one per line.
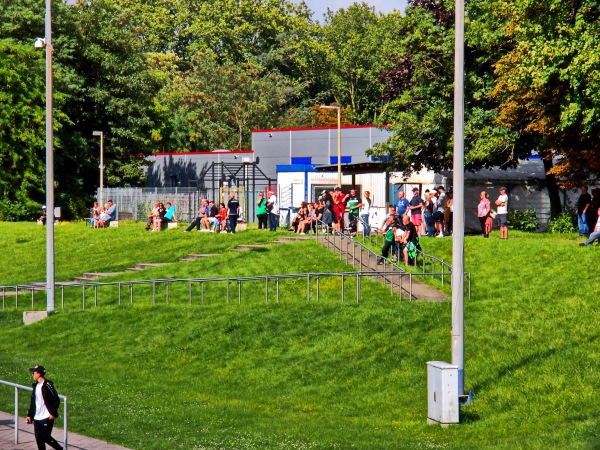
pixel 583 203
pixel 409 239
pixel 233 212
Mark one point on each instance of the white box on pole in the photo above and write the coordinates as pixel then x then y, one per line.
pixel 442 393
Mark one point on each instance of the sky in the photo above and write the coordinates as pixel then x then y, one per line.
pixel 319 7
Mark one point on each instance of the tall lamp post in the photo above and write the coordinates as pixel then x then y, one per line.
pixel 39 44
pixel 101 134
pixel 339 141
pixel 458 240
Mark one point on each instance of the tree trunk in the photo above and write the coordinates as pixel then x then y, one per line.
pixel 553 190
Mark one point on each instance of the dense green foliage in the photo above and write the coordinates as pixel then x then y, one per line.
pixel 324 375
pixel 198 75
pixel 523 220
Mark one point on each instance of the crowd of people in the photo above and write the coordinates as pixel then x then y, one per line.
pixel 103 215
pixel 329 211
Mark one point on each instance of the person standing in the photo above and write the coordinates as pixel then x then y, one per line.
pixel 233 212
pixel 353 206
pixel 502 213
pixel 42 218
pixel 364 211
pixel 261 212
pixel 43 409
pixel 583 203
pixel 483 214
pixel 273 210
pixel 428 209
pixel 440 211
pixel 402 205
pixel 416 206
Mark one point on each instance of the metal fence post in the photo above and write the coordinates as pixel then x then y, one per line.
pixel 266 290
pixel 154 292
pixel 190 292
pixel 308 287
pixel 95 296
pixel 16 415
pixel 65 422
pixel 32 307
pixel 239 292
pixel 119 293
pixel 83 296
pixel 357 288
pixel 228 291
pixel 342 288
pixel 166 293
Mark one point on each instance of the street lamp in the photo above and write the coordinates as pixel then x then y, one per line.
pixel 39 44
pixel 339 142
pixel 101 134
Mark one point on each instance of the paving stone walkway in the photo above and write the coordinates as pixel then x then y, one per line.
pixel 27 439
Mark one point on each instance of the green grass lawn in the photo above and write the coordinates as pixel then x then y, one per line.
pixel 315 375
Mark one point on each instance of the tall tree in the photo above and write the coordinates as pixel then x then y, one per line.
pixel 22 122
pixel 215 105
pixel 359 43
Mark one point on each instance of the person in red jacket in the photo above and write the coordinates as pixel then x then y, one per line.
pixel 43 409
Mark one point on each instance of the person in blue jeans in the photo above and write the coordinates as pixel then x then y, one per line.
pixel 583 203
pixel 364 210
pixel 595 235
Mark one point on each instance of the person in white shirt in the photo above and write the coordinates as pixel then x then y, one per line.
pixel 502 213
pixel 364 210
pixel 273 210
pixel 43 409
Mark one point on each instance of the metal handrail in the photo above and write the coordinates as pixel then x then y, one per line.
pixel 375 231
pixel 166 282
pixel 27 388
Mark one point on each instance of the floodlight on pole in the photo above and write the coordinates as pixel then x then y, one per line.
pixel 101 196
pixel 339 141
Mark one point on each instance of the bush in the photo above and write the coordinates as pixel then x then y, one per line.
pixel 523 220
pixel 566 222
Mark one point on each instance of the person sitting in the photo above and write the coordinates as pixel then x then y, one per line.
pixel 594 235
pixel 42 218
pixel 209 222
pixel 222 217
pixel 110 214
pixel 299 217
pixel 96 210
pixel 160 214
pixel 103 216
pixel 305 223
pixel 151 216
pixel 169 215
pixel 199 218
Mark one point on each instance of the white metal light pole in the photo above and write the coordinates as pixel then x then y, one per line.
pixel 101 134
pixel 339 142
pixel 40 43
pixel 458 236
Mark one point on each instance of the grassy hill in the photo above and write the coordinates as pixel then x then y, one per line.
pixel 326 375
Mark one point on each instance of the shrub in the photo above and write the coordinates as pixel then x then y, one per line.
pixel 565 222
pixel 523 220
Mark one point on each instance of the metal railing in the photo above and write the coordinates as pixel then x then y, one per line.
pixel 27 388
pixel 446 269
pixel 126 290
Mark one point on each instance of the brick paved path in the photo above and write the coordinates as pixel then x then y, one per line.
pixel 27 439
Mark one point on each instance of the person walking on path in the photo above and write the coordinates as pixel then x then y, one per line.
pixel 43 409
pixel 502 213
pixel 364 211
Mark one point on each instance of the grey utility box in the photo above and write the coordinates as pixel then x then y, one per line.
pixel 442 393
